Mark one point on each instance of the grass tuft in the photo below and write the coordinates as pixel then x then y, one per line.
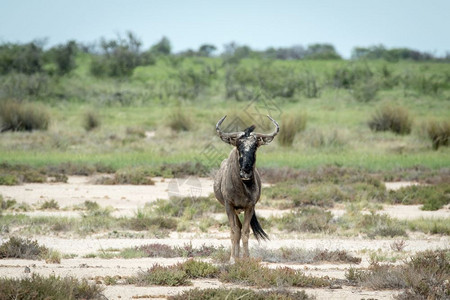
pixel 18 116
pixel 438 133
pixel 391 118
pixel 290 126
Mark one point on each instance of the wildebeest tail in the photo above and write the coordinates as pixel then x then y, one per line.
pixel 257 229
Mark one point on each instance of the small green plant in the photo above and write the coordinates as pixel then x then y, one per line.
pixel 50 204
pixel 21 116
pixel 91 121
pixel 391 118
pixel 290 126
pixel 438 133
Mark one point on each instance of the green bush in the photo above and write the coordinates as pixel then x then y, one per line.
pixel 18 116
pixel 26 58
pixel 392 118
pixel 438 133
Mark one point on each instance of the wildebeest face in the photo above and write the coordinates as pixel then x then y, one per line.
pixel 247 145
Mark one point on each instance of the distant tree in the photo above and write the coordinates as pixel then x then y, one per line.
pixel 120 57
pixel 26 58
pixel 206 50
pixel 64 57
pixel 162 47
pixel 321 51
pixel 233 53
pixel 394 54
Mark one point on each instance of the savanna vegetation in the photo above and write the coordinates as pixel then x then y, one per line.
pixel 117 106
pixel 129 114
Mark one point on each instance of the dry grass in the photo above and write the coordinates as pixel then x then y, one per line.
pixel 291 125
pixel 438 133
pixel 392 118
pixel 21 116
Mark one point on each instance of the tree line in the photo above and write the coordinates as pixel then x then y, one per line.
pixel 118 57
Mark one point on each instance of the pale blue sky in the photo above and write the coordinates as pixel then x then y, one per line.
pixel 422 25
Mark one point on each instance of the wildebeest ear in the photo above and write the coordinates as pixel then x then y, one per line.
pixel 232 140
pixel 264 140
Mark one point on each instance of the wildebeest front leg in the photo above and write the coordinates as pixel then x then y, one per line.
pixel 246 229
pixel 235 232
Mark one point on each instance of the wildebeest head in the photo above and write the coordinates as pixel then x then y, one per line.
pixel 246 143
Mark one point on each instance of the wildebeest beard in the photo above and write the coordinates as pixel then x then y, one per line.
pixel 247 146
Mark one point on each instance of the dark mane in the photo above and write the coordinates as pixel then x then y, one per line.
pixel 249 130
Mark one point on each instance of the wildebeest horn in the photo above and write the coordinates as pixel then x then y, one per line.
pixel 227 137
pixel 267 138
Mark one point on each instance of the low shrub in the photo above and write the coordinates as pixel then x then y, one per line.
pixel 250 272
pixel 425 276
pixel 160 275
pixel 432 197
pixel 22 248
pixel 22 116
pixel 52 287
pixel 50 204
pixel 175 275
pixel 237 293
pixel 391 118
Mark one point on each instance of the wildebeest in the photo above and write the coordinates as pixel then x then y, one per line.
pixel 237 184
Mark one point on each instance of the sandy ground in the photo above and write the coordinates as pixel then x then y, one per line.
pixel 126 199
